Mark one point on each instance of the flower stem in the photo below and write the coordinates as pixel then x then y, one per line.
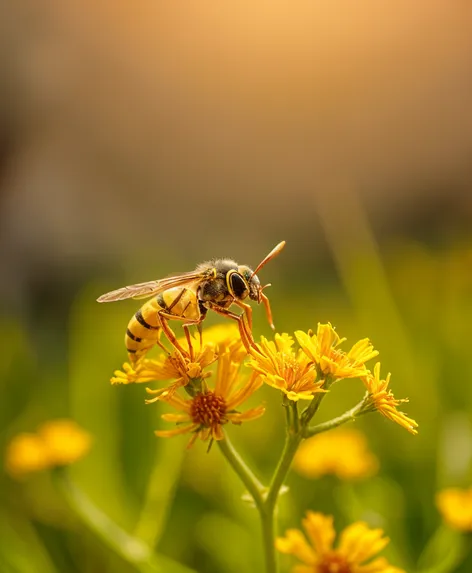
pixel 267 503
pixel 268 512
pixel 349 416
pixel 129 548
pixel 253 485
pixel 314 405
pixel 292 442
pixel 159 494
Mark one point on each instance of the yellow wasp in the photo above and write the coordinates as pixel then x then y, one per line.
pixel 215 285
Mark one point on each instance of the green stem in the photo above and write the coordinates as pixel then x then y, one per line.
pixel 132 550
pixel 253 485
pixel 160 493
pixel 295 426
pixel 292 442
pixel 349 416
pixel 288 411
pixel 267 504
pixel 268 537
pixel 314 404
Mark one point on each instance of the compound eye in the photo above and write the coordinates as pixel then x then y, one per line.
pixel 238 286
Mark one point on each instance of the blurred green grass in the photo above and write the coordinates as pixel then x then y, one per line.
pixel 415 303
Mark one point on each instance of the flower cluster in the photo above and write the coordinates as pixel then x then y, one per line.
pixel 209 409
pixel 183 368
pixel 55 443
pixel 323 349
pixel 318 363
pixel 208 404
pixel 314 366
pixel 358 544
pixel 300 373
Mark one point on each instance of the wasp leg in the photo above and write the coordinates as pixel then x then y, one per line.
pixel 247 310
pixel 189 341
pixel 200 332
pixel 159 343
pixel 164 317
pixel 246 335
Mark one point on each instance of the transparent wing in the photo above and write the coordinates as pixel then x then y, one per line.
pixel 151 288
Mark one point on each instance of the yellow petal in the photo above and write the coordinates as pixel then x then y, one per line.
pixel 295 543
pixel 176 432
pixel 359 543
pixel 320 531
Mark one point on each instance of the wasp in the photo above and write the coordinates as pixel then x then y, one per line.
pixel 213 285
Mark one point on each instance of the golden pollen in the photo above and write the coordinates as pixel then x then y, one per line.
pixel 208 409
pixel 332 563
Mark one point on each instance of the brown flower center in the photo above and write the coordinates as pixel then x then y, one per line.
pixel 208 409
pixel 333 563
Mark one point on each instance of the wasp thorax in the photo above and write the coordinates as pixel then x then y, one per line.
pixel 208 409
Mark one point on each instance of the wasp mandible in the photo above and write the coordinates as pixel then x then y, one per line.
pixel 213 285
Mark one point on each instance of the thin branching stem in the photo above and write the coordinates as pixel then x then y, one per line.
pixel 349 416
pixel 253 485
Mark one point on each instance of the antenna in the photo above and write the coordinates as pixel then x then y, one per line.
pixel 273 253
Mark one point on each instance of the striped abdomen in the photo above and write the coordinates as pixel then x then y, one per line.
pixel 144 328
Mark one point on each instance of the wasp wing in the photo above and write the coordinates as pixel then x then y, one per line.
pixel 151 288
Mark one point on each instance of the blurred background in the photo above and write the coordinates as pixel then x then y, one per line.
pixel 139 139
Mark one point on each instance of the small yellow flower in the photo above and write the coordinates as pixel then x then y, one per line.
pixel 25 454
pixel 358 544
pixel 205 413
pixel 343 453
pixel 175 366
pixel 322 349
pixel 382 399
pixel 56 443
pixel 455 506
pixel 182 367
pixel 65 440
pixel 284 368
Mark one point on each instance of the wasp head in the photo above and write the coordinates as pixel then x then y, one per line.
pixel 253 282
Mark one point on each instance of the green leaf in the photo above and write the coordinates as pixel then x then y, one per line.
pixel 444 552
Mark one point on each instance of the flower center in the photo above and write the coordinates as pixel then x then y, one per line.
pixel 208 409
pixel 289 369
pixel 333 563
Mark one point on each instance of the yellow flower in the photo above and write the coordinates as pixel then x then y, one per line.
pixel 343 453
pixel 182 367
pixel 283 368
pixel 65 440
pixel 455 506
pixel 208 410
pixel 358 544
pixel 382 399
pixel 322 348
pixel 56 443
pixel 25 454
